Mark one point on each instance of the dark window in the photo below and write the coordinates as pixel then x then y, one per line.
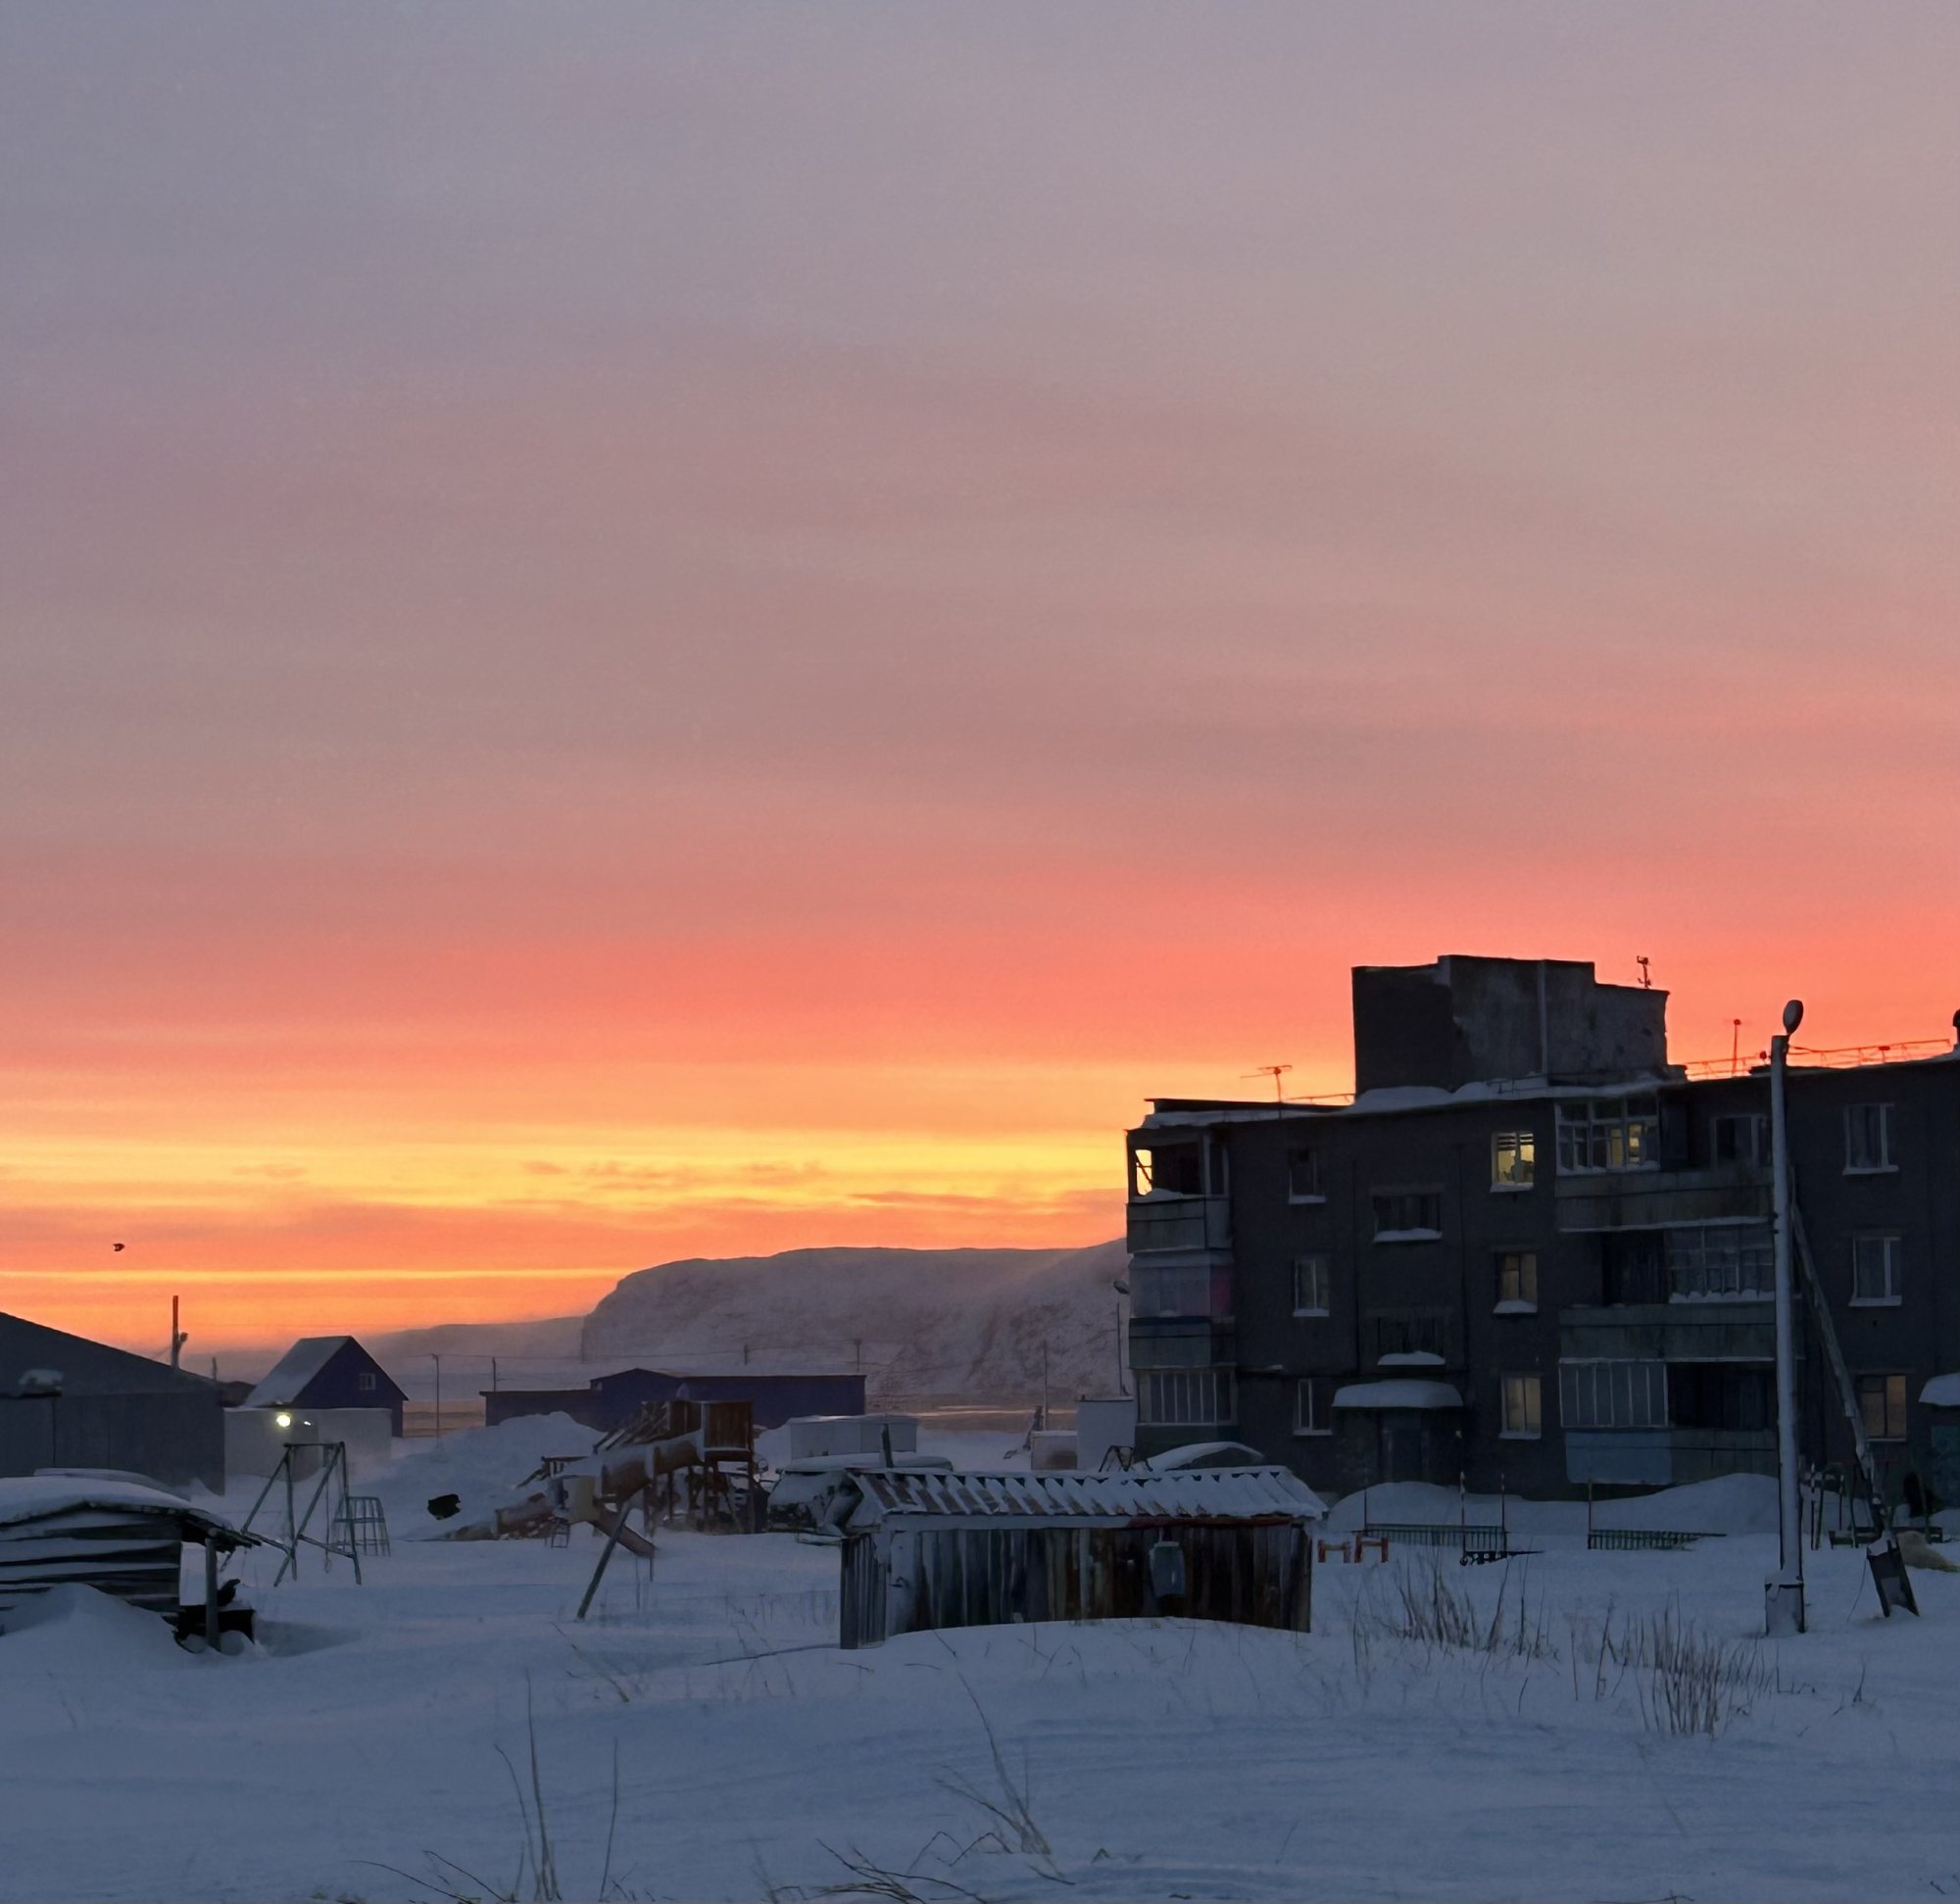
pixel 1517 1278
pixel 1744 1138
pixel 1721 1395
pixel 1633 1268
pixel 1868 1137
pixel 364 1383
pixel 1875 1269
pixel 1304 1177
pixel 1311 1278
pixel 1415 1331
pixel 1407 1213
pixel 1312 1412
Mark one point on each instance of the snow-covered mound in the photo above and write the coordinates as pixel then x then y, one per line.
pixel 70 1629
pixel 1736 1503
pixel 967 1323
pixel 484 1466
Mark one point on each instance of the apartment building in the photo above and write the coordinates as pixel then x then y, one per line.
pixel 1533 1253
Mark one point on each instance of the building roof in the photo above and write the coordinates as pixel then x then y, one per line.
pixel 1190 1494
pixel 85 1366
pixel 288 1378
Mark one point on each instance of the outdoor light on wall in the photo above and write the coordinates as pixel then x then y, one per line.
pixel 283 1421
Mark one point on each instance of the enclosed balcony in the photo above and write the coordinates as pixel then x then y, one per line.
pixel 1178 1196
pixel 1659 1199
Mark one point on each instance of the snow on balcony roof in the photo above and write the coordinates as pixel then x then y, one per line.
pixel 1398 1394
pixel 1943 1391
pixel 1186 1494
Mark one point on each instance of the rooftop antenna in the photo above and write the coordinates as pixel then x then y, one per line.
pixel 1275 1072
pixel 1735 1048
pixel 1647 977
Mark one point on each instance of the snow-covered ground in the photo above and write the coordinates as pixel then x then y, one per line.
pixel 379 1744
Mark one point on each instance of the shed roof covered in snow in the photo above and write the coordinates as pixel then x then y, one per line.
pixel 36 1497
pixel 1407 1393
pixel 1141 1495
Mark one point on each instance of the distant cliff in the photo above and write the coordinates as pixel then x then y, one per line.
pixel 947 1323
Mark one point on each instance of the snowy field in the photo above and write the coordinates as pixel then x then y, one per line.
pixel 1444 1733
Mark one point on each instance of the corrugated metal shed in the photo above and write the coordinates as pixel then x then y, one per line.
pixel 1139 1495
pixel 925 1551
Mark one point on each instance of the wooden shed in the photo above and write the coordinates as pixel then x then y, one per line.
pixel 925 1551
pixel 120 1537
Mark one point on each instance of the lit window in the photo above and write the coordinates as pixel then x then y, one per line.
pixel 1608 1134
pixel 1882 1403
pixel 1521 1407
pixel 1408 1215
pixel 1868 1137
pixel 1513 1160
pixel 1875 1269
pixel 1304 1177
pixel 1517 1279
pixel 1310 1407
pixel 1311 1280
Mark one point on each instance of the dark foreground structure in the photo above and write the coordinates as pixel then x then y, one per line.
pixel 1533 1253
pixel 66 1401
pixel 610 1402
pixel 925 1551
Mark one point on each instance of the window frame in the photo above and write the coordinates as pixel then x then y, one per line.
pixel 1630 1391
pixel 1755 1122
pixel 1579 1139
pixel 1530 1383
pixel 1520 1304
pixel 1887 1162
pixel 1307 1424
pixel 1884 1377
pixel 1309 1154
pixel 1893 1265
pixel 1523 1147
pixel 1407 1232
pixel 365 1383
pixel 1156 1385
pixel 1324 1264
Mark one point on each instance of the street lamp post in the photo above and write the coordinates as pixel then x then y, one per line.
pixel 1783 1596
pixel 1122 1288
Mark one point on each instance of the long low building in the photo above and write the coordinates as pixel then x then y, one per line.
pixel 610 1402
pixel 66 1401
pixel 926 1549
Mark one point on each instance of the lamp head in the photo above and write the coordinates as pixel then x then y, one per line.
pixel 1793 1016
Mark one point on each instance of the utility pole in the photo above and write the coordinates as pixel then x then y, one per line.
pixel 493 1375
pixel 1784 1596
pixel 437 1360
pixel 177 1337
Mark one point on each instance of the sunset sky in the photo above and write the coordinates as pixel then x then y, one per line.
pixel 639 631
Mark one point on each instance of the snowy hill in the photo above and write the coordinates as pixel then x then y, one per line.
pixel 947 1323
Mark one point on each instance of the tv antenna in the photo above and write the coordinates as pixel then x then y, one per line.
pixel 1647 977
pixel 1275 1072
